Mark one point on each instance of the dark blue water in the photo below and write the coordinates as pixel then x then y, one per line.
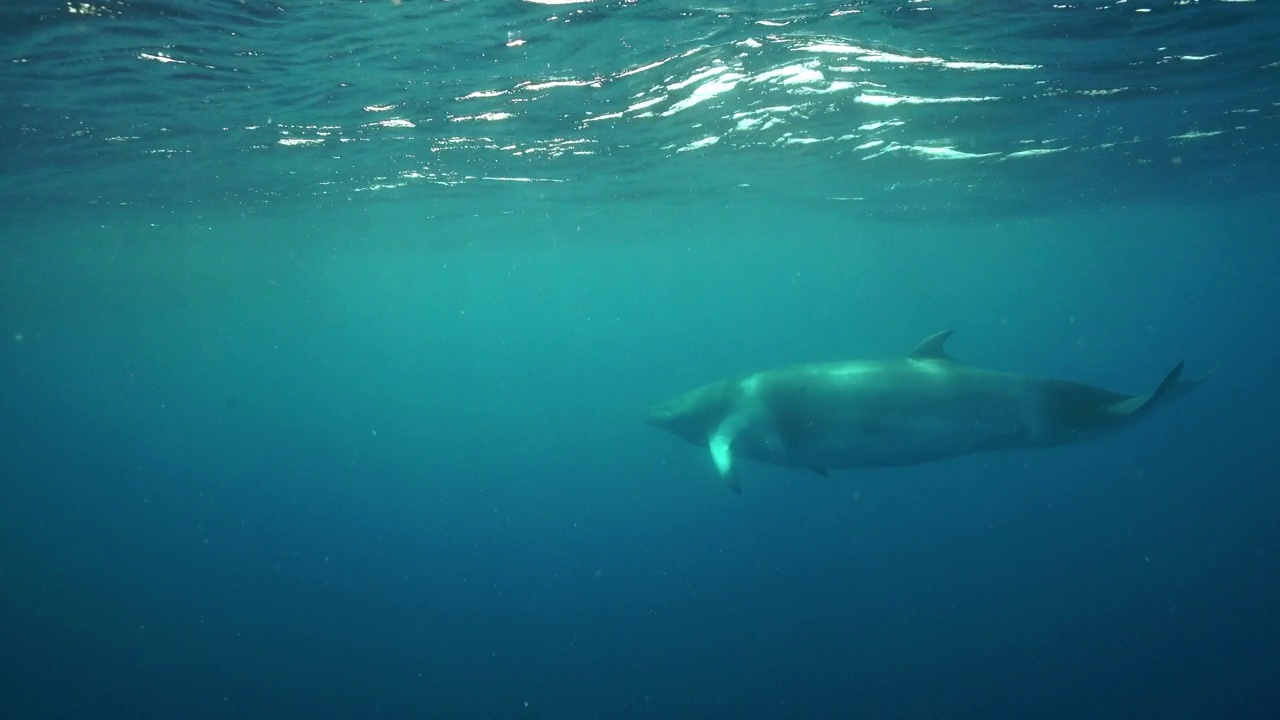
pixel 327 331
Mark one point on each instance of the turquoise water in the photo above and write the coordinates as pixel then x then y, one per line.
pixel 327 331
pixel 877 108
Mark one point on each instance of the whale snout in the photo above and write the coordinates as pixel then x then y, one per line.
pixel 659 416
pixel 674 416
pixel 694 415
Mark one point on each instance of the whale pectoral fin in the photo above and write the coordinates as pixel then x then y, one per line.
pixel 721 454
pixel 721 444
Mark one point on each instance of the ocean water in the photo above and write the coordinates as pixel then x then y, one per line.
pixel 327 329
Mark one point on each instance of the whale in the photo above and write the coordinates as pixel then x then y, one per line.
pixel 911 410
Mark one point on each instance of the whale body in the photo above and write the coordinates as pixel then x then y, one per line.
pixel 903 411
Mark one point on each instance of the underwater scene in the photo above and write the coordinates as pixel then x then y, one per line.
pixel 639 359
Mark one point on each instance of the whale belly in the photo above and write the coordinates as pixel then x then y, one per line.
pixel 904 441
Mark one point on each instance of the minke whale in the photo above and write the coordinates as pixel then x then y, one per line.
pixel 905 411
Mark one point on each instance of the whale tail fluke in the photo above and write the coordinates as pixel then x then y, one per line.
pixel 1173 387
pixel 1183 386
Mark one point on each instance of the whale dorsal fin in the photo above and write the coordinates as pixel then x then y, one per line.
pixel 931 348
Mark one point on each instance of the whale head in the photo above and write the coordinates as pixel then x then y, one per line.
pixel 695 415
